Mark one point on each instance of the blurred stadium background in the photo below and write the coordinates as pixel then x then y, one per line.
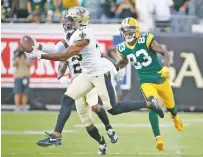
pixel 177 25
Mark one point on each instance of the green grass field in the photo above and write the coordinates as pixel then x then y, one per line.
pixel 20 131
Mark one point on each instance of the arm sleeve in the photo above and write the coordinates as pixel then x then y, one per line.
pixel 150 38
pixel 51 48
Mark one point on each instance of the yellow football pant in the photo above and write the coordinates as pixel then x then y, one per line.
pixel 163 90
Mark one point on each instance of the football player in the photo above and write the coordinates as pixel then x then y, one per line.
pixel 141 49
pixel 91 99
pixel 95 72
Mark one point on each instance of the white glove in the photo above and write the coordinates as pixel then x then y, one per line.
pixel 114 71
pixel 120 74
pixel 37 53
pixel 29 55
pixel 34 54
pixel 64 80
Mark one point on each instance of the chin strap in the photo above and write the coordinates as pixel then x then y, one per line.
pixel 133 38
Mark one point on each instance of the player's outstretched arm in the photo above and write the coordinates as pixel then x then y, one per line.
pixel 52 48
pixel 156 47
pixel 69 52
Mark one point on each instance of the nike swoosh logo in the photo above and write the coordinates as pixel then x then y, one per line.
pixel 115 137
pixel 53 139
pixel 155 103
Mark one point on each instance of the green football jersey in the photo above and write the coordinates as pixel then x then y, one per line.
pixel 143 59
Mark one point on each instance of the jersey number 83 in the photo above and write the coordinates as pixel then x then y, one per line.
pixel 138 65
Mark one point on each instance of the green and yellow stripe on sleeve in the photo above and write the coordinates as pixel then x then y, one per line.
pixel 149 40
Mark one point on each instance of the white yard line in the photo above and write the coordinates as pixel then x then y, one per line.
pixel 21 141
pixel 146 125
pixel 89 153
pixel 54 112
pixel 31 132
pixel 194 120
pixel 120 125
pixel 94 153
pixel 143 154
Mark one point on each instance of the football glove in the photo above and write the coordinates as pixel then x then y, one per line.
pixel 120 74
pixel 114 71
pixel 164 72
pixel 34 54
pixel 29 55
pixel 64 79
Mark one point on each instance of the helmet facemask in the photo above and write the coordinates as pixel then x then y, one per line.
pixel 69 25
pixel 128 33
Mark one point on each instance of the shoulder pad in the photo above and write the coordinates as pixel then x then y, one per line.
pixel 80 34
pixel 145 38
pixel 143 35
pixel 149 39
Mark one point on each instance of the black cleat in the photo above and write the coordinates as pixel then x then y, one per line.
pixel 156 107
pixel 102 148
pixel 112 135
pixel 50 140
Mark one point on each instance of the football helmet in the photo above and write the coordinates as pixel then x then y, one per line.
pixel 74 18
pixel 130 29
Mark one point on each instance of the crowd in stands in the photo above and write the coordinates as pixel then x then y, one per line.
pixel 151 12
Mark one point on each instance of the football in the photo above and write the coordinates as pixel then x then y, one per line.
pixel 26 43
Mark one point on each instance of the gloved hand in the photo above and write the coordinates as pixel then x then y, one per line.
pixel 164 72
pixel 29 55
pixel 34 54
pixel 120 74
pixel 64 79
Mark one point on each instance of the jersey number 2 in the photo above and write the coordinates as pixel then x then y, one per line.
pixel 132 58
pixel 76 67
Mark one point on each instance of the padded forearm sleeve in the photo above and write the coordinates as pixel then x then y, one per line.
pixel 51 48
